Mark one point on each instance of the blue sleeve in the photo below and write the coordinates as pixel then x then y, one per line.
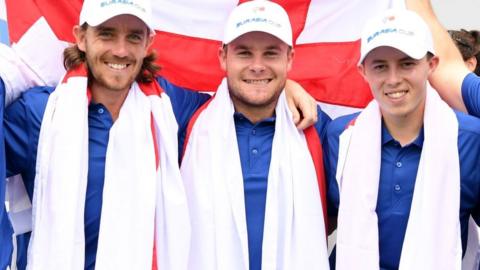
pixel 469 149
pixel 17 138
pixel 334 130
pixel 2 147
pixel 6 230
pixel 22 123
pixel 322 123
pixel 184 103
pixel 471 94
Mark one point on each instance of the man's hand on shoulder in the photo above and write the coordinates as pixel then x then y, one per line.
pixel 302 105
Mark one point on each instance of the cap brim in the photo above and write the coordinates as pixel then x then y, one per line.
pixel 97 20
pixel 267 30
pixel 411 49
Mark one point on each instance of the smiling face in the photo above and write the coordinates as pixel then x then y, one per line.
pixel 398 82
pixel 114 51
pixel 256 64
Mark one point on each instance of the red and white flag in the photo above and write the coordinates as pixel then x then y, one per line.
pixel 326 34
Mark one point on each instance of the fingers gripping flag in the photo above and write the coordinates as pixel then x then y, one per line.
pixel 189 32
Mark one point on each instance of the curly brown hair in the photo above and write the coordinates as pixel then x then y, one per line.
pixel 73 57
pixel 468 42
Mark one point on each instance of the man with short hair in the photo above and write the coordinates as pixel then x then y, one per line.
pixel 459 85
pixel 253 180
pixel 405 169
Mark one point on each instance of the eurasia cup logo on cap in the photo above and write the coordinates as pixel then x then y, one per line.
pixel 258 15
pixel 398 28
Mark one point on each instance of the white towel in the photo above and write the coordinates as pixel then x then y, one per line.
pixel 19 205
pixel 294 235
pixel 142 204
pixel 471 260
pixel 432 239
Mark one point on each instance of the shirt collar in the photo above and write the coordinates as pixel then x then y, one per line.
pixel 240 118
pixel 387 137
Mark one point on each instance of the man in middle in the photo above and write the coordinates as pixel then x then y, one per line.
pixel 254 182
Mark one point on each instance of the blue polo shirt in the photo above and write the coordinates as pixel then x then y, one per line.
pixel 397 180
pixel 255 148
pixel 5 228
pixel 22 126
pixel 471 94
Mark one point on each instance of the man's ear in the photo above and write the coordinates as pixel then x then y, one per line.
pixel 433 64
pixel 79 34
pixel 150 41
pixel 222 57
pixel 471 63
pixel 361 70
pixel 290 57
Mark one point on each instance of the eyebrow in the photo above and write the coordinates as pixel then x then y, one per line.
pixel 104 28
pixel 273 47
pixel 245 47
pixel 241 47
pixel 138 31
pixel 112 29
pixel 406 58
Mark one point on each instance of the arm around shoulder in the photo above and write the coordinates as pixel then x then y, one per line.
pixel 448 77
pixel 302 105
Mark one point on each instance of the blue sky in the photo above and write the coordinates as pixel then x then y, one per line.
pixel 3 32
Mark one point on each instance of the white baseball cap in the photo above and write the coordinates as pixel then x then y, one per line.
pixel 258 15
pixel 401 29
pixel 96 12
